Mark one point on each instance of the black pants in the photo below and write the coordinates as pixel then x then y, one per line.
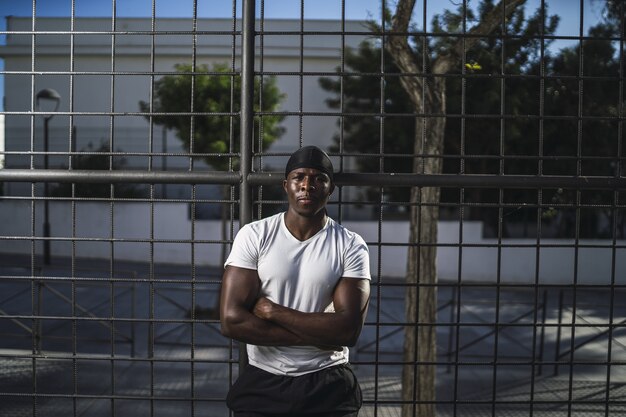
pixel 331 392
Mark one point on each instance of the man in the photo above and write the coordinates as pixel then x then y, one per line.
pixel 296 290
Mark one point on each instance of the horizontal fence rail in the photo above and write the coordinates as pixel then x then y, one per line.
pixel 342 179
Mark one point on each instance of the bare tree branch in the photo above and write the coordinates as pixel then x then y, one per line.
pixel 401 19
pixel 398 44
pixel 490 22
pixel 398 47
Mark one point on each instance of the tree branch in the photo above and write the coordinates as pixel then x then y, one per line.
pixel 398 46
pixel 490 22
pixel 401 19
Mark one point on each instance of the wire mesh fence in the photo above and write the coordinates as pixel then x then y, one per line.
pixel 135 147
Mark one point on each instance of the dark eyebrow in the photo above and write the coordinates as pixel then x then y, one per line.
pixel 320 175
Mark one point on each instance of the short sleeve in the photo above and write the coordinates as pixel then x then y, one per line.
pixel 357 259
pixel 245 250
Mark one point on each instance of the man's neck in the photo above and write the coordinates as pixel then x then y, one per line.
pixel 303 228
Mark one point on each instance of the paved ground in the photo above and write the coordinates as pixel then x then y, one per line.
pixel 148 371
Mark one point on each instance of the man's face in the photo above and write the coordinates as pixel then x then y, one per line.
pixel 308 190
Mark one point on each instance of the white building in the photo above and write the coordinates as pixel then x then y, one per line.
pixel 99 72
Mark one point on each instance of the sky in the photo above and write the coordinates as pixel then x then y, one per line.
pixel 313 9
pixel 568 10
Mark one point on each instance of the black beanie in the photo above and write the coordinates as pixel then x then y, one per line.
pixel 310 157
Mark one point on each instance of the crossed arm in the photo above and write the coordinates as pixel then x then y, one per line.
pixel 250 318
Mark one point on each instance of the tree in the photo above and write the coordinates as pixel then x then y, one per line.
pixel 427 94
pixel 477 92
pixel 496 40
pixel 359 93
pixel 587 80
pixel 216 91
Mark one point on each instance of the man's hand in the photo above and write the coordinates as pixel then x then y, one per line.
pixel 263 308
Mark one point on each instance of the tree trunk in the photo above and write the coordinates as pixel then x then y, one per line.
pixel 420 341
pixel 428 97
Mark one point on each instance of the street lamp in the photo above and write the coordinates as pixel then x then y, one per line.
pixel 47 94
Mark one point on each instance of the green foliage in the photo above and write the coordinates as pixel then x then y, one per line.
pixel 613 12
pixel 97 159
pixel 478 93
pixel 362 96
pixel 477 140
pixel 216 95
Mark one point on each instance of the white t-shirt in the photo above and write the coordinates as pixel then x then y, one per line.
pixel 301 275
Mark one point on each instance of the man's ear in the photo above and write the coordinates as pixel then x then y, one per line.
pixel 285 186
pixel 332 188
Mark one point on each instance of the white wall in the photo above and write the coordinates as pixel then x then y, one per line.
pixel 90 94
pixel 130 227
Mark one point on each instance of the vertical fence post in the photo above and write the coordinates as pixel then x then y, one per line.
pixel 451 331
pixel 133 301
pixel 557 348
pixel 542 339
pixel 247 127
pixel 38 328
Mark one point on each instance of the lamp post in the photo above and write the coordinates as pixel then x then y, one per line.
pixel 47 94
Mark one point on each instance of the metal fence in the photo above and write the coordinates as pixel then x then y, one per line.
pixel 99 318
